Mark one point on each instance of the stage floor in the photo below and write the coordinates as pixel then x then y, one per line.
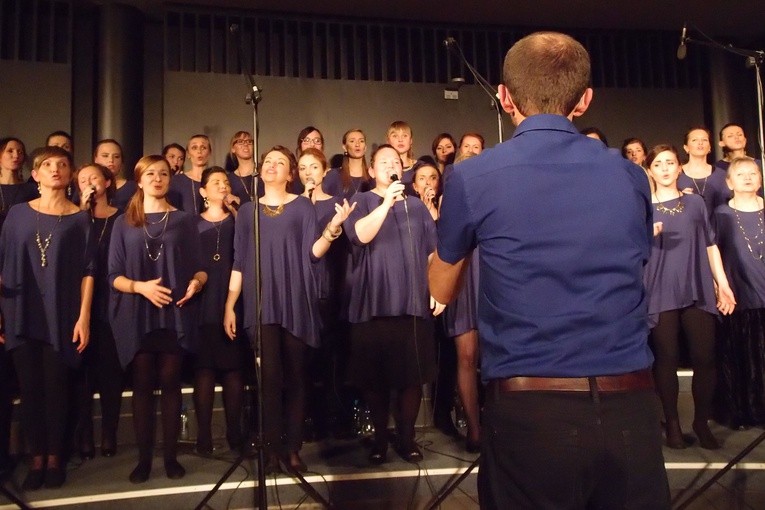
pixel 340 472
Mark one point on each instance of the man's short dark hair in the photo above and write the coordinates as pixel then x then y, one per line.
pixel 546 72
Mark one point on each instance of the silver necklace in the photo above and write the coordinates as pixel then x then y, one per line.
pixel 43 246
pixel 759 237
pixel 702 190
pixel 103 229
pixel 160 236
pixel 194 196
pixel 217 226
pixel 251 191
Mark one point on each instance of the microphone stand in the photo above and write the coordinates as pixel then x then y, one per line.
pixel 253 98
pixel 754 58
pixel 451 44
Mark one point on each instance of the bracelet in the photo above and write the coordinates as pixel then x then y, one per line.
pixel 331 236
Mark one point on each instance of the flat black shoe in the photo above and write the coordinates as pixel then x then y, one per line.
pixel 141 472
pixel 55 477
pixel 88 454
pixel 108 452
pixel 410 453
pixel 174 470
pixel 378 455
pixel 33 480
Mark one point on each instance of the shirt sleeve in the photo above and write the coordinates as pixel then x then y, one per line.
pixel 117 250
pixel 456 231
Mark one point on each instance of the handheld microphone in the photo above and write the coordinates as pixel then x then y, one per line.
pixel 449 42
pixel 233 205
pixel 682 50
pixel 92 198
pixel 310 191
pixel 393 177
pixel 233 28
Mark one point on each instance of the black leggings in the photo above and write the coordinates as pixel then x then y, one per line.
pixel 150 368
pixel 44 388
pixel 699 329
pixel 283 371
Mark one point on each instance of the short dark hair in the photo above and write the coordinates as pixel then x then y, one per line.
pixel 546 72
pixel 173 145
pixel 597 132
pixel 658 149
pixel 105 141
pixel 630 141
pixel 730 124
pixel 52 151
pixel 58 133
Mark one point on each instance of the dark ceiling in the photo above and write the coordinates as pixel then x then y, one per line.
pixel 738 21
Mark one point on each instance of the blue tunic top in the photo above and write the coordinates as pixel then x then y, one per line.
pixel 560 260
pixel 713 188
pixel 132 315
pixel 12 194
pixel 743 260
pixel 43 303
pixel 678 274
pixel 288 282
pixel 123 195
pixel 333 185
pixel 461 315
pixel 184 194
pixel 217 238
pixel 389 277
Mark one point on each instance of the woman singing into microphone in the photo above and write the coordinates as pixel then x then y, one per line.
pixel 389 304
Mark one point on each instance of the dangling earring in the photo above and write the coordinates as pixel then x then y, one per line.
pixel 206 203
pixel 39 189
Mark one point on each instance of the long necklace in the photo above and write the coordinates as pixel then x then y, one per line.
pixel 272 213
pixel 759 237
pixel 217 226
pixel 251 190
pixel 666 210
pixel 43 246
pixel 194 196
pixel 695 185
pixel 160 236
pixel 103 229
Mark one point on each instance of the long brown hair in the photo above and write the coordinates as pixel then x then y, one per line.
pixel 134 214
pixel 345 167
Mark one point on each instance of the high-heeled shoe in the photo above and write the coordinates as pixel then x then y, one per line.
pixel 707 440
pixel 674 435
pixel 174 470
pixel 409 452
pixel 295 463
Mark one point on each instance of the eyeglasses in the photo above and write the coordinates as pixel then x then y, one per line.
pixel 244 142
pixel 315 141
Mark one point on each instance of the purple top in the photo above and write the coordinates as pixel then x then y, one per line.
pixel 743 260
pixel 713 188
pixel 43 303
pixel 389 277
pixel 333 185
pixel 216 238
pixel 184 194
pixel 242 186
pixel 12 194
pixel 678 274
pixel 101 230
pixel 460 315
pixel 330 270
pixel 288 282
pixel 123 195
pixel 132 316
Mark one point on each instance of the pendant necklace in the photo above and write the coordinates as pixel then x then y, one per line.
pixel 43 246
pixel 160 236
pixel 217 226
pixel 273 212
pixel 251 190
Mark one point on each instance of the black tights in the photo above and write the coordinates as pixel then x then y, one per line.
pixel 148 369
pixel 699 329
pixel 283 371
pixel 204 394
pixel 44 388
pixel 408 400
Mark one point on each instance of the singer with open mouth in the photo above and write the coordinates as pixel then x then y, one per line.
pixel 389 303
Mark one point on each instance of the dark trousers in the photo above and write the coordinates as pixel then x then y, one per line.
pixel 44 388
pixel 566 450
pixel 283 372
pixel 6 403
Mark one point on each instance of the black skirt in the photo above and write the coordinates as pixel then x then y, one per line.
pixel 740 395
pixel 217 351
pixel 392 353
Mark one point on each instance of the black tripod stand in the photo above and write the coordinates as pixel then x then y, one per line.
pixel 253 98
pixel 449 488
